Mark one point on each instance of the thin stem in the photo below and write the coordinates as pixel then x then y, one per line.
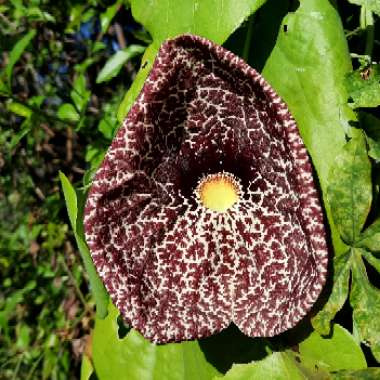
pixel 18 365
pixel 34 367
pixel 248 39
pixel 74 282
pixel 367 23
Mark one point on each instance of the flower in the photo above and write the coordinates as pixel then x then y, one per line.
pixel 204 211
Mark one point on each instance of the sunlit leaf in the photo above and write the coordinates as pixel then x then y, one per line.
pixel 68 112
pixel 86 368
pixel 307 67
pixel 350 188
pixel 19 109
pixel 116 62
pixel 278 366
pixel 135 358
pixel 336 352
pixel 79 94
pixel 165 19
pixel 107 16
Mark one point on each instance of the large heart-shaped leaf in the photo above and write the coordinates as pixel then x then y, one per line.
pixel 307 67
pixel 135 358
pixel 165 19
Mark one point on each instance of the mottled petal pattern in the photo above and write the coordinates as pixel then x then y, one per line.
pixel 176 269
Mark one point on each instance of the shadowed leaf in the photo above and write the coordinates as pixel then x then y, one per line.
pixel 365 300
pixel 16 54
pixel 370 5
pixel 338 296
pixel 370 238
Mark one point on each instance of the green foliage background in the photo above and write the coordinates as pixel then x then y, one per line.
pixel 319 55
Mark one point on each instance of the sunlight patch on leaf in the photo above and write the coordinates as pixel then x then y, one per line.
pixel 336 352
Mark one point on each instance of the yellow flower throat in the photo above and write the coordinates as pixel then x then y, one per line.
pixel 218 192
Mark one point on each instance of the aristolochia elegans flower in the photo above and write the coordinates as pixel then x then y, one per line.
pixel 204 211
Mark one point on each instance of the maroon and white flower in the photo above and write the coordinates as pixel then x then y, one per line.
pixel 204 211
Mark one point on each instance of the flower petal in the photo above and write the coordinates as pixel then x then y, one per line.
pixel 174 268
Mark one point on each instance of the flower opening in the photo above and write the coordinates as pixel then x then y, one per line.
pixel 218 192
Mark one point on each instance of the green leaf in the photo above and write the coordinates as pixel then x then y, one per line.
pixel 135 358
pixel 97 287
pixel 365 300
pixel 68 112
pixel 370 238
pixel 86 369
pixel 307 67
pixel 372 260
pixel 167 19
pixel 363 87
pixel 278 366
pixel 371 125
pixel 79 94
pixel 370 5
pixel 16 54
pixel 364 374
pixel 350 188
pixel 107 128
pixel 338 296
pixel 107 16
pixel 19 109
pixel 338 351
pixel 116 62
pixel 36 14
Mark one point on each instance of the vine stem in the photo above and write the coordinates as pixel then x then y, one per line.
pixel 248 39
pixel 367 23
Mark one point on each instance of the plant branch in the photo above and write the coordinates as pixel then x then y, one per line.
pixel 367 23
pixel 248 39
pixel 38 111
